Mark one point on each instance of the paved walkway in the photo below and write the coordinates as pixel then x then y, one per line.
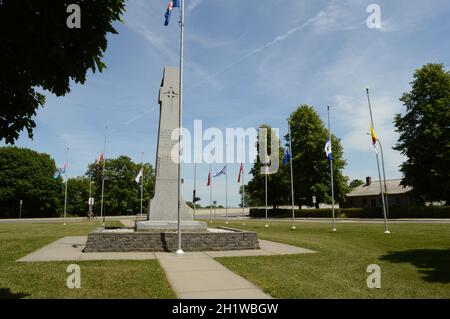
pixel 198 276
pixel 195 275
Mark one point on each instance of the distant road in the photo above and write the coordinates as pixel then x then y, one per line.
pixel 237 214
pixel 56 219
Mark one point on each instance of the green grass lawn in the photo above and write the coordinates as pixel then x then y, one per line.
pixel 414 261
pixel 99 279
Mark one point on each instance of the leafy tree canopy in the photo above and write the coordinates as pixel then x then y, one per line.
pixel 28 175
pixel 277 183
pixel 355 183
pixel 310 164
pixel 425 133
pixel 122 193
pixel 38 50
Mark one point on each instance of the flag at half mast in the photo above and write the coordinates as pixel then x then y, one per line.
pixel 328 150
pixel 241 172
pixel 139 175
pixel 209 180
pixel 286 157
pixel 223 171
pixel 374 139
pixel 172 4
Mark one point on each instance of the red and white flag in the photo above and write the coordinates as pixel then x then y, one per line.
pixel 101 158
pixel 241 171
pixel 209 180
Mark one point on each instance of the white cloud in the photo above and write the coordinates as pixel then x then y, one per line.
pixel 193 4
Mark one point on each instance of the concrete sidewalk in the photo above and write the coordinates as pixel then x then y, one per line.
pixel 71 249
pixel 198 276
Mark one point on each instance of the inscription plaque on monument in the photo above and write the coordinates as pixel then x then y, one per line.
pixel 163 212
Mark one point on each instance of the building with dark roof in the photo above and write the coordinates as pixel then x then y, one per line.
pixel 368 195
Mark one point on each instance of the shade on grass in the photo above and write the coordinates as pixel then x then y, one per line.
pixel 414 261
pixel 99 279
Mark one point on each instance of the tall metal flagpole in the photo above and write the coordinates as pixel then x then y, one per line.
pixel 195 186
pixel 331 171
pixel 102 215
pixel 243 183
pixel 179 250
pixel 226 193
pixel 266 171
pixel 67 179
pixel 386 229
pixel 142 183
pixel 384 178
pixel 243 198
pixel 210 192
pixel 292 177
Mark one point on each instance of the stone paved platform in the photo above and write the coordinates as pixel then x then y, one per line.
pixel 71 249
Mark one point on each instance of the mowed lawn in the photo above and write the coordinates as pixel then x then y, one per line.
pixel 414 261
pixel 99 279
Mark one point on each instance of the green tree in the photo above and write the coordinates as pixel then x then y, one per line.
pixel 249 201
pixel 277 183
pixel 28 175
pixel 122 193
pixel 425 133
pixel 38 50
pixel 355 183
pixel 310 164
pixel 77 196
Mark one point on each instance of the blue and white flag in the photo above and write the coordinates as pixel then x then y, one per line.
pixel 58 173
pixel 328 150
pixel 223 171
pixel 287 157
pixel 172 4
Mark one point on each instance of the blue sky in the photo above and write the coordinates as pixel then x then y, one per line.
pixel 248 63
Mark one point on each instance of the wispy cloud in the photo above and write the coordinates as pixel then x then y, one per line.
pixel 333 18
pixel 193 4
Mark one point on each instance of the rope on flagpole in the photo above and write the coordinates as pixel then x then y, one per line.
pixel 142 182
pixel 292 177
pixel 67 179
pixel 331 169
pixel 180 115
pixel 102 215
pixel 386 229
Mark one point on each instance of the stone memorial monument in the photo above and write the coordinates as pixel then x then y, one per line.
pixel 163 212
pixel 159 232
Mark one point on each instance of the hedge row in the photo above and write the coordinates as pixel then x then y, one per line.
pixel 394 212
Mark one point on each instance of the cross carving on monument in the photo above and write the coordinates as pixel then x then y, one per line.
pixel 171 95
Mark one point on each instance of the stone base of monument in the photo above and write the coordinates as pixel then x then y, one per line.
pixel 129 240
pixel 158 226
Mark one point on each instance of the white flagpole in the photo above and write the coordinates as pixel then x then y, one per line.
pixel 243 197
pixel 226 193
pixel 102 215
pixel 210 192
pixel 331 170
pixel 142 183
pixel 243 182
pixel 292 177
pixel 195 186
pixel 179 250
pixel 67 179
pixel 265 183
pixel 386 229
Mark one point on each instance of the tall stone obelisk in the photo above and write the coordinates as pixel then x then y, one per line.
pixel 163 212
